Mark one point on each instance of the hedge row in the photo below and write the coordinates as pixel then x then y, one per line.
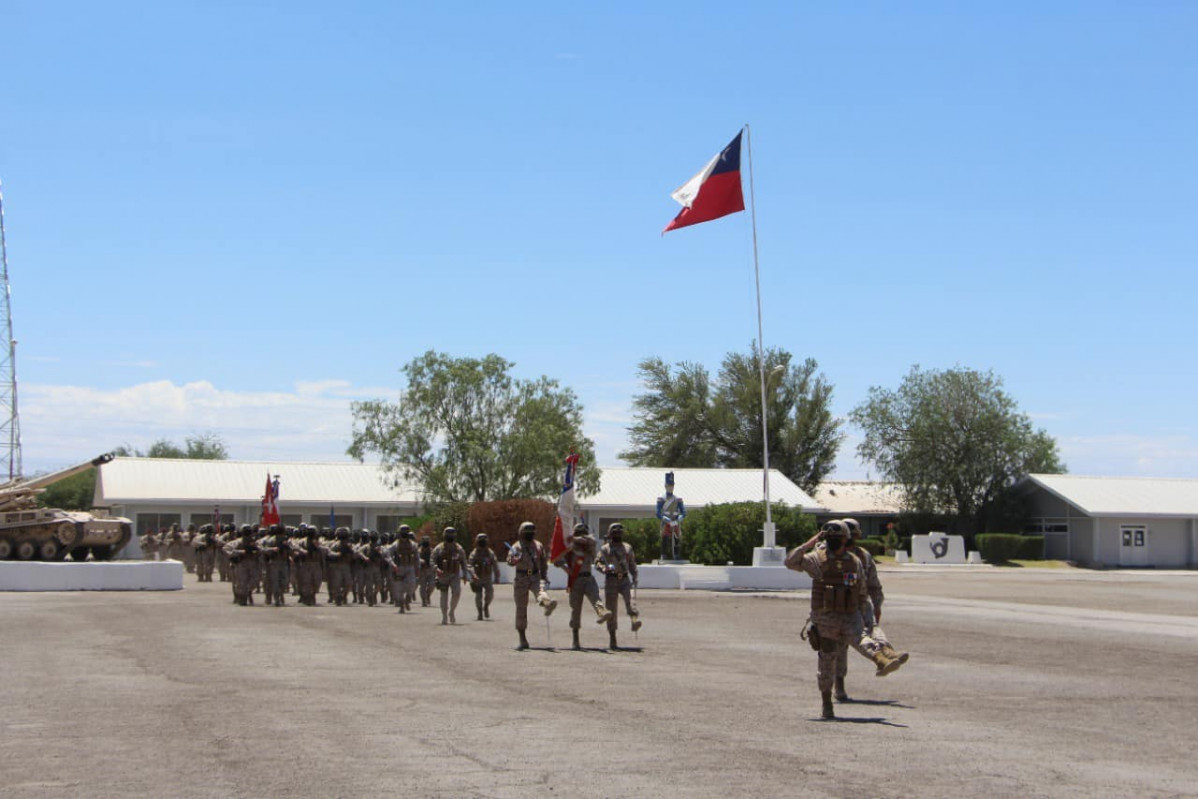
pixel 1002 547
pixel 717 534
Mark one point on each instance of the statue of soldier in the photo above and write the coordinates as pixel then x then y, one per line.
pixel 305 563
pixel 428 574
pixel 871 610
pixel 617 561
pixel 204 545
pixel 449 560
pixel 337 556
pixel 837 594
pixel 578 562
pixel 671 511
pixel 532 576
pixel 276 558
pixel 243 557
pixel 484 573
pixel 402 559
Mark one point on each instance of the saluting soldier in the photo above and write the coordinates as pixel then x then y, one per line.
pixel 484 573
pixel 837 594
pixel 449 560
pixel 150 545
pixel 532 576
pixel 617 561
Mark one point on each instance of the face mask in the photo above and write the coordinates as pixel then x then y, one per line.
pixel 529 536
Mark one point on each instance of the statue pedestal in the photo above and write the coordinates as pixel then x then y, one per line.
pixel 769 556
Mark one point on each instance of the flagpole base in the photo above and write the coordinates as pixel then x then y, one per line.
pixel 769 556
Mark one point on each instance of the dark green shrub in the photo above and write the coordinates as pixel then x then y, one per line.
pixel 874 546
pixel 717 534
pixel 1000 547
pixel 645 537
pixel 1031 547
pixel 452 514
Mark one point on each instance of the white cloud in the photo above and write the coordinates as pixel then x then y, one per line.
pixel 1173 455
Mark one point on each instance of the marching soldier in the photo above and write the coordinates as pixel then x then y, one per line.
pixel 532 576
pixel 173 543
pixel 449 560
pixel 205 546
pixel 428 574
pixel 484 573
pixel 871 610
pixel 383 576
pixel 837 594
pixel 275 551
pixel 356 569
pixel 370 557
pixel 402 559
pixel 243 555
pixel 617 561
pixel 306 561
pixel 578 561
pixel 222 560
pixel 188 552
pixel 337 555
pixel 150 544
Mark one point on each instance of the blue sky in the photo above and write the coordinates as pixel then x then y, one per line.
pixel 238 217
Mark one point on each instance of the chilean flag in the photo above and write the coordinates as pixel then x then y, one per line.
pixel 712 193
pixel 270 501
pixel 563 525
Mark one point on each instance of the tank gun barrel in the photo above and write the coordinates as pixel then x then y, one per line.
pixel 43 480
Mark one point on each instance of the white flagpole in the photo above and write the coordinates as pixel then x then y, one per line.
pixel 768 543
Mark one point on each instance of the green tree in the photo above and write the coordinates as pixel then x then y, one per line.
pixel 200 447
pixel 956 443
pixel 682 419
pixel 76 492
pixel 466 430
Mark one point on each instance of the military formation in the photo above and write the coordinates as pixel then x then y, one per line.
pixel 846 607
pixel 370 568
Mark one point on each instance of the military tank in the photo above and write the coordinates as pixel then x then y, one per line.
pixel 28 532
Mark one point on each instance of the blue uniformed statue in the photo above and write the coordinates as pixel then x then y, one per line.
pixel 671 511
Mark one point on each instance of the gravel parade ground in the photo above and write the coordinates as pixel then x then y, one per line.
pixel 1022 682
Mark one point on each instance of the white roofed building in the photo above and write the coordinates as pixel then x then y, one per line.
pixel 1115 521
pixel 873 505
pixel 158 492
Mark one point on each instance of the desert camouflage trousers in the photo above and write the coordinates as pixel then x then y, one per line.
pixel 837 632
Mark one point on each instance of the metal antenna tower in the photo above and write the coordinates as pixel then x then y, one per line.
pixel 10 422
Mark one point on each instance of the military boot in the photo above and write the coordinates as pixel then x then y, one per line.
pixel 828 712
pixel 885 663
pixel 523 640
pixel 636 623
pixel 901 657
pixel 480 614
pixel 577 643
pixel 603 613
pixel 612 642
pixel 841 696
pixel 547 603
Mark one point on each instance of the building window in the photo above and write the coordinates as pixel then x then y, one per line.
pixel 153 522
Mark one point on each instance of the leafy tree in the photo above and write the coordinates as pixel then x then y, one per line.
pixel 955 442
pixel 76 492
pixel 466 430
pixel 202 447
pixel 683 420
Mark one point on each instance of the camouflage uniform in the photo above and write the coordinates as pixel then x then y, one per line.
pixel 532 576
pixel 306 561
pixel 617 561
pixel 870 611
pixel 188 553
pixel 402 560
pixel 337 558
pixel 243 557
pixel 578 561
pixel 370 558
pixel 204 545
pixel 222 559
pixel 150 545
pixel 484 573
pixel 837 594
pixel 428 574
pixel 173 543
pixel 276 559
pixel 449 560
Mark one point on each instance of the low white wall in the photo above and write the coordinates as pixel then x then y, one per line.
pixel 119 576
pixel 695 577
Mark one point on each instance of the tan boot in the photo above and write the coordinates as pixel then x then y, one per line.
pixel 549 604
pixel 603 613
pixel 901 657
pixel 841 696
pixel 885 663
pixel 636 623
pixel 828 712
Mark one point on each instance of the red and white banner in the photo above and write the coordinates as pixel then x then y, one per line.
pixel 563 525
pixel 270 501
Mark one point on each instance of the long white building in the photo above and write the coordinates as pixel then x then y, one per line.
pixel 158 492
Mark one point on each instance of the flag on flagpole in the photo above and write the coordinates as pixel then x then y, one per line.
pixel 714 192
pixel 270 501
pixel 563 525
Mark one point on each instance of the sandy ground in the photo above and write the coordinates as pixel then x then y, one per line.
pixel 1021 683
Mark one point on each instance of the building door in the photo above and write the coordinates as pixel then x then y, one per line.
pixel 1133 546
